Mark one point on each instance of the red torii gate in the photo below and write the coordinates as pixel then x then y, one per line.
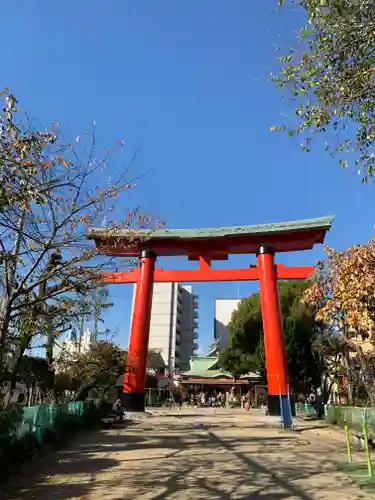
pixel 205 246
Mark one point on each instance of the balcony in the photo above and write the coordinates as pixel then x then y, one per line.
pixel 195 314
pixel 195 336
pixel 195 324
pixel 195 346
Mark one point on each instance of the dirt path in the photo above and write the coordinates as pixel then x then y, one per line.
pixel 192 454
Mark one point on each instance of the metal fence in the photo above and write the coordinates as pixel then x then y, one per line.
pixel 159 397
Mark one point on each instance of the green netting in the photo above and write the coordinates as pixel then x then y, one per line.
pixel 353 417
pixel 304 409
pixel 25 430
pixel 38 420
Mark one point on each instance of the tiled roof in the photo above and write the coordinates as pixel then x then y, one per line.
pixel 207 367
pixel 157 234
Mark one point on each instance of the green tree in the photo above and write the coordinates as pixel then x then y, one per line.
pixel 94 370
pixel 237 362
pixel 299 329
pixel 329 74
pixel 34 372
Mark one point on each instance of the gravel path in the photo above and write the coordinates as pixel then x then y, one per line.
pixel 191 454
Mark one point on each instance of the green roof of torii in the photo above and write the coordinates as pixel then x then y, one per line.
pixel 215 243
pixel 298 225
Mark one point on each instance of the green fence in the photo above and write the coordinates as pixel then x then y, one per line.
pixel 353 417
pixel 24 430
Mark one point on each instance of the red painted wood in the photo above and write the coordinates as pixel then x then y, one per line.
pixel 275 353
pixel 136 364
pixel 206 273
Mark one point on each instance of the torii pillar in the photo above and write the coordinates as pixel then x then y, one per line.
pixel 276 361
pixel 133 397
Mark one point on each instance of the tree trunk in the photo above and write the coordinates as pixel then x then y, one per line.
pixel 8 394
pixel 345 359
pixel 10 273
pixel 30 398
pixel 96 327
pixel 49 357
pixel 81 332
pixel 4 326
pixel 366 376
pixel 83 391
pixel 13 375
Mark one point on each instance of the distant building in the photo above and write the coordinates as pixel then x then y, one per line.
pixel 224 309
pixel 73 344
pixel 174 324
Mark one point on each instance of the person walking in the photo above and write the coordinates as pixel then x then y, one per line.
pixel 203 400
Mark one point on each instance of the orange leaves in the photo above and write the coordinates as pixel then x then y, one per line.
pixel 126 187
pixel 345 288
pixel 61 160
pixel 47 164
pixel 85 218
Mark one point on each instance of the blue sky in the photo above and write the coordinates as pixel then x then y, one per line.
pixel 188 81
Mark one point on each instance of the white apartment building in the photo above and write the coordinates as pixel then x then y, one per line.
pixel 174 323
pixel 73 344
pixel 224 309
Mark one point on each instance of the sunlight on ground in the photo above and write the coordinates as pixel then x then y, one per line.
pixel 358 473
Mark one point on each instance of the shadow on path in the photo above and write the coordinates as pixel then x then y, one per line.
pixel 174 460
pixel 257 467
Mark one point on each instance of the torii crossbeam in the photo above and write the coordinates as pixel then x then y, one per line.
pixel 206 245
pixel 205 273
